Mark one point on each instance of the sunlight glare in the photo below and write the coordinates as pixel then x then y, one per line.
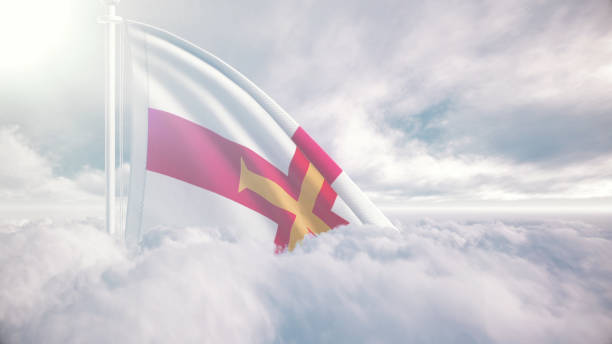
pixel 30 30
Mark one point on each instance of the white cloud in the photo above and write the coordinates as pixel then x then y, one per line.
pixel 436 281
pixel 470 101
pixel 27 179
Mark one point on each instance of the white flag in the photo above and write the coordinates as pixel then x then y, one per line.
pixel 209 148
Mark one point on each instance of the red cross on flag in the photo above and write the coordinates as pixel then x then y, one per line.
pixel 208 148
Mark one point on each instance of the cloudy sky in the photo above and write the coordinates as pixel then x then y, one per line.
pixel 442 104
pixel 448 105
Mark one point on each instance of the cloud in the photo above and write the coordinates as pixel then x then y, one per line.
pixel 27 179
pixel 434 282
pixel 485 101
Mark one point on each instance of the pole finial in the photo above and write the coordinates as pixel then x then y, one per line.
pixel 110 16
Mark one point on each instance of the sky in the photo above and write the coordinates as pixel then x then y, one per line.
pixel 475 104
pixel 481 128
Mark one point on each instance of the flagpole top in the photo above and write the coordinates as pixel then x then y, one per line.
pixel 110 16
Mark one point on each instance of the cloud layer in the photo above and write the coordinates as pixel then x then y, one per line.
pixel 433 282
pixel 28 184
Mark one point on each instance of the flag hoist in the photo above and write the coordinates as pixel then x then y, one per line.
pixel 205 147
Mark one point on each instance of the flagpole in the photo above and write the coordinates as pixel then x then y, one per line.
pixel 110 19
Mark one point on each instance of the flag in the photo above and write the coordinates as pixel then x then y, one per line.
pixel 208 148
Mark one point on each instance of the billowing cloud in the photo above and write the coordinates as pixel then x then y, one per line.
pixel 433 282
pixel 28 181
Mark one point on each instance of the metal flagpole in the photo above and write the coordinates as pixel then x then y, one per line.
pixel 111 20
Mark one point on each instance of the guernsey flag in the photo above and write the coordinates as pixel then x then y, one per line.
pixel 208 148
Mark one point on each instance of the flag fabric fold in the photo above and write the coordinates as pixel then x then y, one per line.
pixel 208 148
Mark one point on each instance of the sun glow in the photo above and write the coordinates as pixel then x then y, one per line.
pixel 29 31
